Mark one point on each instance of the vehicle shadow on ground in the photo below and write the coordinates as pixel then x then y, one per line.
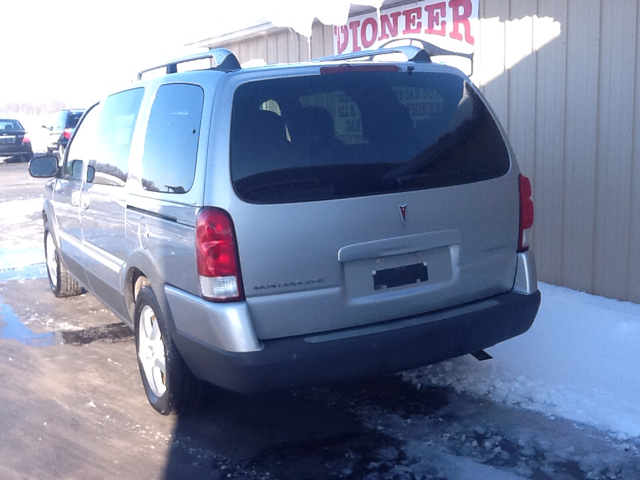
pixel 15 159
pixel 306 434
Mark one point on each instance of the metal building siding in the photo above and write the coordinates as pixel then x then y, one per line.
pixel 490 56
pixel 285 46
pixel 569 106
pixel 581 116
pixel 562 76
pixel 549 141
pixel 633 273
pixel 614 154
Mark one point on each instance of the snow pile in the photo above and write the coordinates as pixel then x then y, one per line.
pixel 580 361
pixel 15 212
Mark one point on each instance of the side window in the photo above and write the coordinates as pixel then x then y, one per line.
pixel 84 147
pixel 171 143
pixel 114 134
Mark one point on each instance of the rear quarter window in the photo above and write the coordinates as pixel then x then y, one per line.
pixel 171 142
pixel 357 134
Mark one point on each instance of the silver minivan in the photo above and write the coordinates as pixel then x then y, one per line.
pixel 292 225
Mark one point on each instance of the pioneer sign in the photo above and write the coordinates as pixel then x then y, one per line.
pixel 450 24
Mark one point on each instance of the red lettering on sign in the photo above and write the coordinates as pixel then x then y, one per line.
pixel 353 26
pixel 435 13
pixel 461 10
pixel 412 23
pixel 342 38
pixel 368 40
pixel 389 25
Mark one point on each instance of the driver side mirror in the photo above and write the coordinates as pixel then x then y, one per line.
pixel 43 167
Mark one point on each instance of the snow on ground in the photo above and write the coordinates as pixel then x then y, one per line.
pixel 21 239
pixel 579 361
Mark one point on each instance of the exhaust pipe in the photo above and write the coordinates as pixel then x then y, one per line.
pixel 481 355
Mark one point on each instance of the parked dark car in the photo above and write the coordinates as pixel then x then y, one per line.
pixel 14 141
pixel 62 129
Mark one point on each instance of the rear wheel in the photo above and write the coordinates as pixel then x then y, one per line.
pixel 61 282
pixel 169 384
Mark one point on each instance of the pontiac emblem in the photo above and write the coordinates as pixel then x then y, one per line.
pixel 403 213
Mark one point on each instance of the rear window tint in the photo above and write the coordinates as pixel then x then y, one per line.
pixel 356 134
pixel 72 120
pixel 6 124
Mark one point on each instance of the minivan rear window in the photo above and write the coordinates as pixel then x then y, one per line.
pixel 357 134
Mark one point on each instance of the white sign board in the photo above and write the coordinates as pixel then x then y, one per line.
pixel 452 25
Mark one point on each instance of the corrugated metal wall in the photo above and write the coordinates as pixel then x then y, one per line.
pixel 285 46
pixel 562 76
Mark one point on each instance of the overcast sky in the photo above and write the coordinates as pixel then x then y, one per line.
pixel 77 50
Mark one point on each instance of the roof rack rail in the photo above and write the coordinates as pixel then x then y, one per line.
pixel 413 54
pixel 220 58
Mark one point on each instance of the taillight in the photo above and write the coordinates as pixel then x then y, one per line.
pixel 217 256
pixel 526 212
pixel 67 133
pixel 25 139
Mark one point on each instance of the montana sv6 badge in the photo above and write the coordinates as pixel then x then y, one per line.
pixel 299 283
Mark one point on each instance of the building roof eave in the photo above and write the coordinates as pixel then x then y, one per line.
pixel 267 28
pixel 263 29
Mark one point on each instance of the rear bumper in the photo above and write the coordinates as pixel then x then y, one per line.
pixel 14 150
pixel 361 352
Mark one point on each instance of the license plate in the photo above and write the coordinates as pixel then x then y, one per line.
pixel 6 140
pixel 400 276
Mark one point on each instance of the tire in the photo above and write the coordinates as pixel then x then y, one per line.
pixel 61 282
pixel 170 386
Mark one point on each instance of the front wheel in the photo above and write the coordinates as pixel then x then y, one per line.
pixel 61 282
pixel 170 386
